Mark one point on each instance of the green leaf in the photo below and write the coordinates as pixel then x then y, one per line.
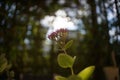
pixel 60 78
pixel 74 77
pixel 86 73
pixel 65 60
pixel 3 67
pixel 3 63
pixel 68 44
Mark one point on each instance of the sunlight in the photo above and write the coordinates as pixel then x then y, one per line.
pixel 60 20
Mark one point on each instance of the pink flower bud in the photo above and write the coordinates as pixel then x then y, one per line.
pixel 59 34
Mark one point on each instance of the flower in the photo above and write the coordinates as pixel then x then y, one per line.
pixel 52 36
pixel 58 35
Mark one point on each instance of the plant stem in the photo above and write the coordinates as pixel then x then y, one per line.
pixel 72 72
pixel 64 51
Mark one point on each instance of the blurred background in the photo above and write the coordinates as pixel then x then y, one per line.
pixel 94 25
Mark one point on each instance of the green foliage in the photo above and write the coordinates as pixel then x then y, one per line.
pixel 74 77
pixel 68 44
pixel 86 73
pixel 4 66
pixel 3 63
pixel 60 78
pixel 65 61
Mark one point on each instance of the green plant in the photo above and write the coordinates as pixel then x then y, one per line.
pixel 3 63
pixel 67 61
pixel 5 66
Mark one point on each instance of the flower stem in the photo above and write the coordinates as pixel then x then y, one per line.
pixel 64 51
pixel 72 72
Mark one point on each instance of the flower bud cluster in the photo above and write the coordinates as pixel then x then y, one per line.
pixel 59 35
